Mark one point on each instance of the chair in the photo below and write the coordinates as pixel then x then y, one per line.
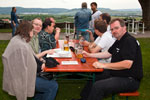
pixel 127 94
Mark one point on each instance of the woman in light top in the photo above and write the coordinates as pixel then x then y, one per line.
pixel 20 68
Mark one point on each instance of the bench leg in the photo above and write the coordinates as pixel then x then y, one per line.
pixel 113 97
pixel 126 97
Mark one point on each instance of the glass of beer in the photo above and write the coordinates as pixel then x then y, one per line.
pixel 79 52
pixel 66 47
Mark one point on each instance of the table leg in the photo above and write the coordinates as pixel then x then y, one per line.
pixel 93 77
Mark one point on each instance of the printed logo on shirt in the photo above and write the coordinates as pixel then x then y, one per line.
pixel 117 49
pixel 138 42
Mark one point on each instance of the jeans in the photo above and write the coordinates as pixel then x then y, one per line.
pixel 14 28
pixel 45 89
pixel 106 84
pixel 84 34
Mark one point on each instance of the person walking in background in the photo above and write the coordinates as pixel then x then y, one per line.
pixel 95 15
pixel 82 19
pixel 14 20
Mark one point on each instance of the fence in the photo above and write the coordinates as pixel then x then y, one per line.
pixel 132 26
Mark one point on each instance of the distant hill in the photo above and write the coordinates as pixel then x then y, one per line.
pixel 71 12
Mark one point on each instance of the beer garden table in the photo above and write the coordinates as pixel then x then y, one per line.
pixel 83 69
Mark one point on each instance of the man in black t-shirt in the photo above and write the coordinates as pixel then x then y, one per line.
pixel 124 73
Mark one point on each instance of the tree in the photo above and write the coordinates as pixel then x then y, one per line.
pixel 145 5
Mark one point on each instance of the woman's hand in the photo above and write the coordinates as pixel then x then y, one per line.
pixel 50 51
pixel 43 67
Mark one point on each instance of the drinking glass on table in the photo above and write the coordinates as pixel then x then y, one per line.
pixel 76 47
pixel 79 52
pixel 66 45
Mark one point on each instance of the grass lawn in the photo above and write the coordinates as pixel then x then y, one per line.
pixel 71 89
pixel 5 30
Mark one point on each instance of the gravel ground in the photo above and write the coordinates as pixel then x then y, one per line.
pixel 7 36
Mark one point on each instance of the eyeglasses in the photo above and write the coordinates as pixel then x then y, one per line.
pixel 115 28
pixel 37 24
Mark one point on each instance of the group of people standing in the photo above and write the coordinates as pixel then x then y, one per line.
pixel 118 53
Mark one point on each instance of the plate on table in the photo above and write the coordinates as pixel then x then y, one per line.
pixel 60 53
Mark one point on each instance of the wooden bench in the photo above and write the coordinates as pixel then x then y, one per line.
pixel 128 94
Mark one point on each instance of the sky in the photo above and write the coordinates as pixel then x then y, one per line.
pixel 70 4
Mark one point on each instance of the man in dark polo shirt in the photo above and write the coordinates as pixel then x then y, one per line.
pixel 124 73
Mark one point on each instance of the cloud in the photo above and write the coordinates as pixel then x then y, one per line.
pixel 113 4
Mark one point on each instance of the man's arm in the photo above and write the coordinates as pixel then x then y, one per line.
pixel 75 20
pixel 14 23
pixel 95 50
pixel 12 19
pixel 104 54
pixel 125 64
pixel 92 45
pixel 91 35
pixel 57 33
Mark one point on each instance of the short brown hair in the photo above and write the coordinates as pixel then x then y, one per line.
pixel 106 16
pixel 121 21
pixel 23 30
pixel 101 26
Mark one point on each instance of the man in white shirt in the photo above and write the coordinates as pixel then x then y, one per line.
pixel 104 40
pixel 95 15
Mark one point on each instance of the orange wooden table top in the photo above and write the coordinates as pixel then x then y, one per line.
pixel 80 67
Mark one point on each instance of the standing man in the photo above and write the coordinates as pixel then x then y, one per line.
pixel 125 71
pixel 14 20
pixel 95 15
pixel 82 19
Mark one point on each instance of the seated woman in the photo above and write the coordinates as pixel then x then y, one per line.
pixel 20 68
pixel 46 38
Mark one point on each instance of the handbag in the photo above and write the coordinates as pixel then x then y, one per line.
pixel 45 75
pixel 50 62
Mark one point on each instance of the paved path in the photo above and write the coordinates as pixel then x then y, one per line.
pixel 7 36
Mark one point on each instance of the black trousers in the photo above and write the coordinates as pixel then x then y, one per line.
pixel 106 84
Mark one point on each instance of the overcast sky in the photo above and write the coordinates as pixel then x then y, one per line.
pixel 69 4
